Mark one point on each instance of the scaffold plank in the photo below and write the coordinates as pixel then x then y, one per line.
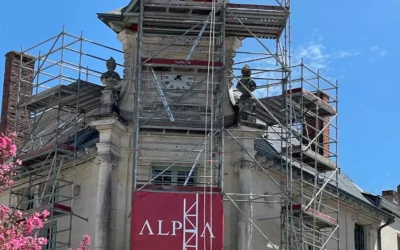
pixel 303 101
pixel 311 158
pixel 48 96
pixel 37 155
pixel 58 210
pixel 325 109
pixel 264 21
pixel 309 214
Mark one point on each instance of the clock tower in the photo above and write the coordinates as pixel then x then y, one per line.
pixel 182 61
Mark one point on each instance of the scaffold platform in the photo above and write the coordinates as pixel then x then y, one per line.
pixel 301 99
pixel 65 96
pixel 309 215
pixel 242 20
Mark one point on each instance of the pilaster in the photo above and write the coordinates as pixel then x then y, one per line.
pixel 245 171
pixel 127 97
pixel 232 44
pixel 108 161
pixel 128 39
pixel 351 224
pixel 105 161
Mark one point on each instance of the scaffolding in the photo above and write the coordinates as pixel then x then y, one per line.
pixel 185 73
pixel 62 92
pixel 185 118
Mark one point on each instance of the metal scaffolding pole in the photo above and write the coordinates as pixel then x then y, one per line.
pixel 56 110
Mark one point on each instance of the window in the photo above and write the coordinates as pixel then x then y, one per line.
pixel 173 176
pixel 359 237
pixel 49 232
pixel 51 193
pixel 27 202
pixel 31 201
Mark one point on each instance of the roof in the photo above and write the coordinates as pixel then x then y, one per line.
pixel 46 127
pixel 270 147
pixel 116 11
pixel 85 138
pixel 113 19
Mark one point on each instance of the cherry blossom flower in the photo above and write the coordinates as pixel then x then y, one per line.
pixel 16 227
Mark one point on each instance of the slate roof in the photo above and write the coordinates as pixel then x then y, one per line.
pixel 116 11
pixel 85 138
pixel 47 126
pixel 270 147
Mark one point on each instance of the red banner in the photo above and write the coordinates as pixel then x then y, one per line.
pixel 177 221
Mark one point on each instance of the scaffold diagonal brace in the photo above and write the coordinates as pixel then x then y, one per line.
pixel 255 161
pixel 320 132
pixel 172 164
pixel 197 40
pixel 162 96
pixel 175 39
pixel 321 189
pixel 251 221
pixel 195 163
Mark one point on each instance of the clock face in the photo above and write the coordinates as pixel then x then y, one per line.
pixel 177 82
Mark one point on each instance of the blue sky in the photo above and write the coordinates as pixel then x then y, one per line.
pixel 352 41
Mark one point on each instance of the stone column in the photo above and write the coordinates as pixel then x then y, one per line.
pixel 372 237
pixel 121 200
pixel 103 202
pixel 351 224
pixel 245 167
pixel 245 228
pixel 106 160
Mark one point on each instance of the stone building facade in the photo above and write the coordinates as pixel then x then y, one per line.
pixel 103 176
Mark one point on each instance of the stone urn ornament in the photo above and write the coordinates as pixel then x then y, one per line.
pixel 110 95
pixel 246 105
pixel 110 78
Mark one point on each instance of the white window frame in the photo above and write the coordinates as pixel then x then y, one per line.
pixel 51 235
pixel 172 174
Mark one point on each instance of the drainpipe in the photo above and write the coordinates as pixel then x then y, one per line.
pixel 388 222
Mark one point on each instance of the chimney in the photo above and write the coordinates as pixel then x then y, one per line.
pixel 311 129
pixel 10 94
pixel 398 194
pixel 391 195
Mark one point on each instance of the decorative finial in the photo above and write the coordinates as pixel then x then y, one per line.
pixel 110 78
pixel 111 64
pixel 246 71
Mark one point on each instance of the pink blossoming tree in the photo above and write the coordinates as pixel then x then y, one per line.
pixel 16 228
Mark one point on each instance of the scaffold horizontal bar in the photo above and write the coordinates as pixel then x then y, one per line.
pixel 206 189
pixel 181 62
pixel 324 220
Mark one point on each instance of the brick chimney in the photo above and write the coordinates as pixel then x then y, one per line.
pixel 311 129
pixel 398 194
pixel 391 195
pixel 10 94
